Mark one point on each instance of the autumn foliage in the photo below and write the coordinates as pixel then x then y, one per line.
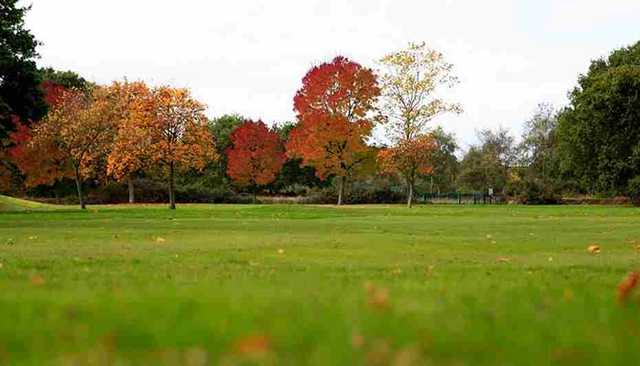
pixel 409 159
pixel 71 140
pixel 129 153
pixel 128 130
pixel 165 128
pixel 119 130
pixel 53 93
pixel 409 101
pixel 256 155
pixel 333 108
pixel 17 154
pixel 30 159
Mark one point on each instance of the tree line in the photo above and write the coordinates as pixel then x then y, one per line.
pixel 128 128
pixel 356 130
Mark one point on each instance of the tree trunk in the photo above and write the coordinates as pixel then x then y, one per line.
pixel 79 188
pixel 172 186
pixel 255 194
pixel 410 193
pixel 340 190
pixel 431 185
pixel 132 197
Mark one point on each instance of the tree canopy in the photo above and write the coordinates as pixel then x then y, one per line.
pixel 334 109
pixel 599 132
pixel 20 92
pixel 256 155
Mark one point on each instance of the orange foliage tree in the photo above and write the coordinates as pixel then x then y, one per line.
pixel 134 112
pixel 74 136
pixel 167 129
pixel 409 158
pixel 256 155
pixel 333 108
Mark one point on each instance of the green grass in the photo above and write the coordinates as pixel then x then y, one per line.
pixel 298 285
pixel 15 204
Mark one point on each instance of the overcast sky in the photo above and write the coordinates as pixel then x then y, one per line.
pixel 249 56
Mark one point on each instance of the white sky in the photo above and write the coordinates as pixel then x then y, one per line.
pixel 249 56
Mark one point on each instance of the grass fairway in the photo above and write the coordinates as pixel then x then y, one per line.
pixel 8 204
pixel 298 285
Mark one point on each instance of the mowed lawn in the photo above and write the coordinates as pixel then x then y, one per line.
pixel 312 285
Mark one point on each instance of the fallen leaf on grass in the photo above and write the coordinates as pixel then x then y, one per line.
pixel 37 280
pixel 377 297
pixel 251 345
pixel 160 240
pixel 568 295
pixel 33 237
pixel 280 251
pixel 428 271
pixel 593 249
pixel 504 259
pixel 625 288
pixel 380 353
pixel 357 341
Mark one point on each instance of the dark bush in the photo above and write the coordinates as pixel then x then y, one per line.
pixel 633 190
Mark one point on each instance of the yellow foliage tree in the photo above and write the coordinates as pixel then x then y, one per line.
pixel 410 81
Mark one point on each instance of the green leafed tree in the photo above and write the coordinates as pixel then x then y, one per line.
pixel 446 166
pixel 66 79
pixel 487 165
pixel 222 127
pixel 539 178
pixel 20 93
pixel 599 132
pixel 21 99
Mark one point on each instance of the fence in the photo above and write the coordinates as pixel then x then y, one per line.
pixel 461 198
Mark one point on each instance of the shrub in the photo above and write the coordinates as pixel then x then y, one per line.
pixel 633 190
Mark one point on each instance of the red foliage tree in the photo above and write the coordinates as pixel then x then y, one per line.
pixel 15 152
pixel 53 93
pixel 333 108
pixel 256 155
